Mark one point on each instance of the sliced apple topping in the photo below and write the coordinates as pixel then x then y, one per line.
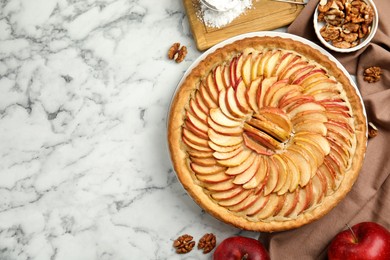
pixel 257 206
pixel 265 84
pixel 232 105
pixel 224 195
pixel 204 170
pixel 263 138
pixel 311 126
pixel 224 129
pixel 218 78
pixel 304 106
pixel 236 199
pixel 207 161
pixel 267 126
pixel 271 63
pixel 220 186
pixel 255 65
pixel 283 174
pixel 244 204
pixel 251 94
pixel 212 88
pixel 281 92
pixel 270 208
pixel 272 177
pixel 243 166
pixel 213 178
pixel 314 75
pixel 224 149
pixel 237 159
pixel 223 106
pixel 220 118
pixel 241 98
pixel 271 91
pixel 194 138
pixel 261 172
pixel 255 146
pixel 248 175
pixel 224 155
pixel 210 103
pixel 262 63
pixel 246 69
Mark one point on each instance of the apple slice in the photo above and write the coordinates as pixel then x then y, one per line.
pixel 294 169
pixel 218 78
pixel 269 208
pixel 255 146
pixel 300 107
pixel 271 63
pixel 281 92
pixel 232 105
pixel 212 88
pixel 339 149
pixel 224 149
pixel 289 178
pixel 232 72
pixel 316 139
pixel 228 154
pixel 194 146
pixel 210 103
pixel 220 118
pixel 305 161
pixel 311 126
pixel 262 63
pixel 251 94
pixel 226 76
pixel 236 160
pixel 271 91
pixel 224 195
pixel 261 171
pixel 315 115
pixel 197 111
pixel 238 69
pixel 339 138
pixel 282 172
pixel 236 170
pixel 317 189
pixel 223 105
pixel 301 73
pixel 224 129
pixel 246 69
pixel 290 202
pixel 199 154
pixel 277 116
pixel 199 101
pixel 220 186
pixel 326 84
pixel 330 178
pixel 314 75
pixel 236 199
pixel 293 68
pixel 255 66
pixel 195 139
pixel 224 140
pixel 213 178
pixel 195 130
pixel 257 206
pixel 272 176
pixel 286 60
pixel 242 102
pixel 247 175
pixel 198 124
pixel 208 161
pixel 270 128
pixel 263 138
pixel 343 129
pixel 292 98
pixel 311 149
pixel 246 203
pixel 265 84
pixel 204 170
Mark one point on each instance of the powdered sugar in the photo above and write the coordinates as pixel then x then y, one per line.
pixel 217 19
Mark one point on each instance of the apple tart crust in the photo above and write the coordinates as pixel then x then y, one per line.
pixel 267 134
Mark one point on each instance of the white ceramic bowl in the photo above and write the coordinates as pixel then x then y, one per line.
pixel 364 42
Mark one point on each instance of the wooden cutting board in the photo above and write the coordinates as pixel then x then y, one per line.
pixel 264 15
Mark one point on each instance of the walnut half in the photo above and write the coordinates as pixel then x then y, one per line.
pixel 372 74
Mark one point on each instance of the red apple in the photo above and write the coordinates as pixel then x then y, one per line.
pixel 366 240
pixel 238 248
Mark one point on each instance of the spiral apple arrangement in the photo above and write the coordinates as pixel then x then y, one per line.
pixel 269 134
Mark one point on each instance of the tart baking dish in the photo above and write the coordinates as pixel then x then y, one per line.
pixel 267 133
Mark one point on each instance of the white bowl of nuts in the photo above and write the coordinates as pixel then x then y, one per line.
pixel 345 25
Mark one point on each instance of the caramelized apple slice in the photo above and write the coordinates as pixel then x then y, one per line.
pixel 224 140
pixel 272 177
pixel 270 208
pixel 205 170
pixel 213 178
pixel 220 118
pixel 224 129
pixel 247 175
pixel 246 69
pixel 236 199
pixel 237 159
pixel 261 173
pixel 255 146
pixel 243 166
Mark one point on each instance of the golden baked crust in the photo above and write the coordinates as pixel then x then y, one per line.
pixel 308 196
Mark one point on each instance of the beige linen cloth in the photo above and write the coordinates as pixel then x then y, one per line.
pixel 369 199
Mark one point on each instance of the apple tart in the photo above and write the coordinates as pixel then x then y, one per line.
pixel 267 134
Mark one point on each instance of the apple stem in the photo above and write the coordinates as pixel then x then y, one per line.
pixel 244 257
pixel 353 233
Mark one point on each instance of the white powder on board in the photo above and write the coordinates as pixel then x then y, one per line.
pixel 217 19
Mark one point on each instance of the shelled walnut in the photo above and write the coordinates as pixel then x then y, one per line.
pixel 176 53
pixel 207 243
pixel 184 244
pixel 347 22
pixel 372 74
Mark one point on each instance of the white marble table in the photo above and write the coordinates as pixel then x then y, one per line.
pixel 84 92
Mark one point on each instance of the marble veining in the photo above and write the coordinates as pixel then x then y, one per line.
pixel 85 172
